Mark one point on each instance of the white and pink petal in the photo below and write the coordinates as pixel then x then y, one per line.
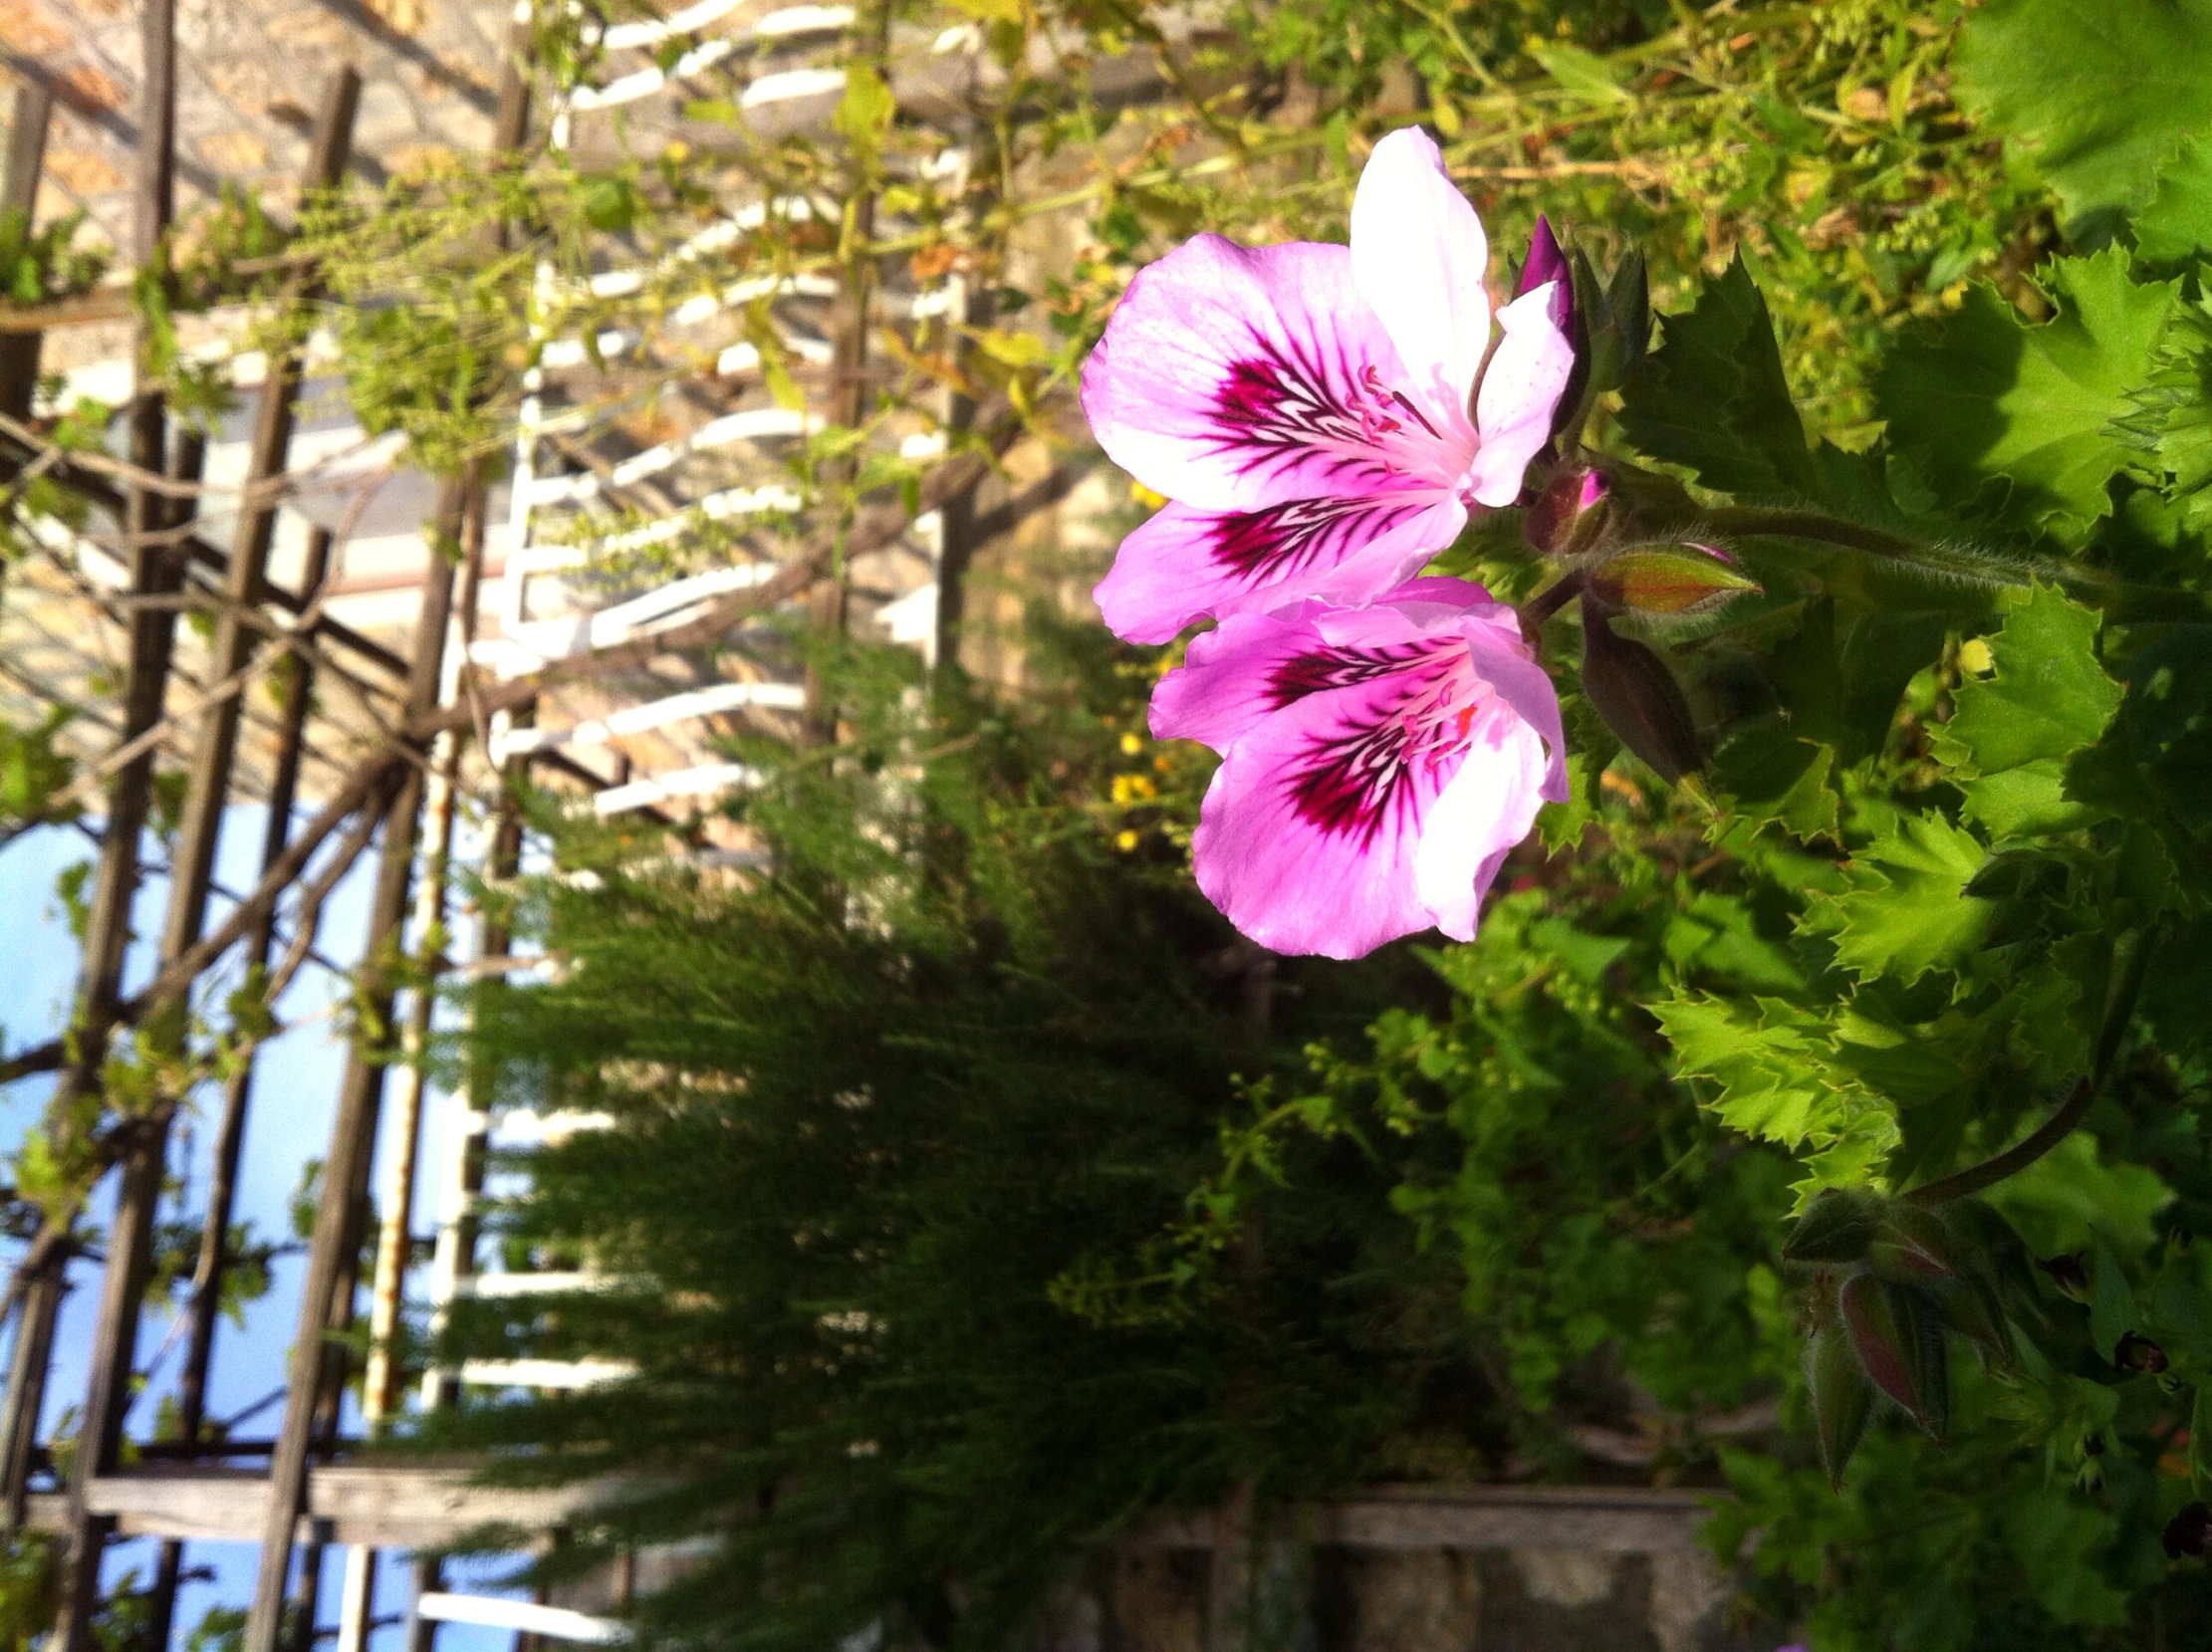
pixel 1308 835
pixel 1419 255
pixel 1233 378
pixel 1520 391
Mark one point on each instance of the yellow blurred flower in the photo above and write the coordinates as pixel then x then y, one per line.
pixel 1146 497
pixel 1126 842
pixel 1132 744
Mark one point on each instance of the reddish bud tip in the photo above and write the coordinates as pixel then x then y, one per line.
pixel 1548 262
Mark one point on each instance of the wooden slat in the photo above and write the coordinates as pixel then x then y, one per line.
pixel 398 1508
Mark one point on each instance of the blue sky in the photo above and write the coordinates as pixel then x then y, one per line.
pixel 295 1090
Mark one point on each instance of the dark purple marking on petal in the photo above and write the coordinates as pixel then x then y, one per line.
pixel 1287 403
pixel 1326 668
pixel 1363 777
pixel 1284 538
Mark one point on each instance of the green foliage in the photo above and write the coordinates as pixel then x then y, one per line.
pixel 1714 399
pixel 2096 100
pixel 1991 398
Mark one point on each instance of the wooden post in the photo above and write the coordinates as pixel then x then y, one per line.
pixel 381 1396
pixel 19 192
pixel 329 1286
pixel 130 1243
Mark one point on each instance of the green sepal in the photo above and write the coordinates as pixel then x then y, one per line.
pixel 1910 1247
pixel 1843 1399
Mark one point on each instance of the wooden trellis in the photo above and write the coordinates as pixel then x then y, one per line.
pixel 387 781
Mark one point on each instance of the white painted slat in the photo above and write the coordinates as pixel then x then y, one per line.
pixel 544 1373
pixel 753 424
pixel 553 1622
pixel 701 782
pixel 628 89
pixel 646 35
pixel 527 1128
pixel 675 708
pixel 790 85
pixel 489 1285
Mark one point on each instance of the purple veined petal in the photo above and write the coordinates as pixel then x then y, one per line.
pixel 1520 390
pixel 1254 665
pixel 1233 378
pixel 1476 820
pixel 1525 690
pixel 1232 676
pixel 1186 564
pixel 1419 255
pixel 1547 263
pixel 1307 837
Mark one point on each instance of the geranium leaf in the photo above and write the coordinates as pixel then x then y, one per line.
pixel 1713 398
pixel 2046 698
pixel 1992 397
pixel 2099 111
pixel 2177 224
pixel 1908 911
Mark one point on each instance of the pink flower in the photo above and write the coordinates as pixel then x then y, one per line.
pixel 1320 417
pixel 1377 763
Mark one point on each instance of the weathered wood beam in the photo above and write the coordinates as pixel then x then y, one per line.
pixel 328 1289
pixel 208 779
pixel 156 569
pixel 19 192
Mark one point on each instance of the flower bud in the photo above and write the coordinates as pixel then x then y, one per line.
pixel 1630 687
pixel 1568 514
pixel 1546 262
pixel 1837 1226
pixel 2138 1353
pixel 2189 1532
pixel 1678 580
pixel 1911 1247
pixel 1899 1341
pixel 1843 1399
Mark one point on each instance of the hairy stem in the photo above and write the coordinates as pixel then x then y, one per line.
pixel 2132 961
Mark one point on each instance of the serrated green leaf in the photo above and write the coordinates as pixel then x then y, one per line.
pixel 2095 96
pixel 2047 699
pixel 2056 1539
pixel 2177 224
pixel 2027 801
pixel 1778 1081
pixel 1776 779
pixel 1992 407
pixel 1908 911
pixel 1713 397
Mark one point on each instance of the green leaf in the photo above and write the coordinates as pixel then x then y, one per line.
pixel 1585 73
pixel 2176 227
pixel 2047 697
pixel 2096 96
pixel 1776 779
pixel 2111 1301
pixel 1713 398
pixel 2054 1536
pixel 1908 911
pixel 1778 1081
pixel 1994 400
pixel 865 113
